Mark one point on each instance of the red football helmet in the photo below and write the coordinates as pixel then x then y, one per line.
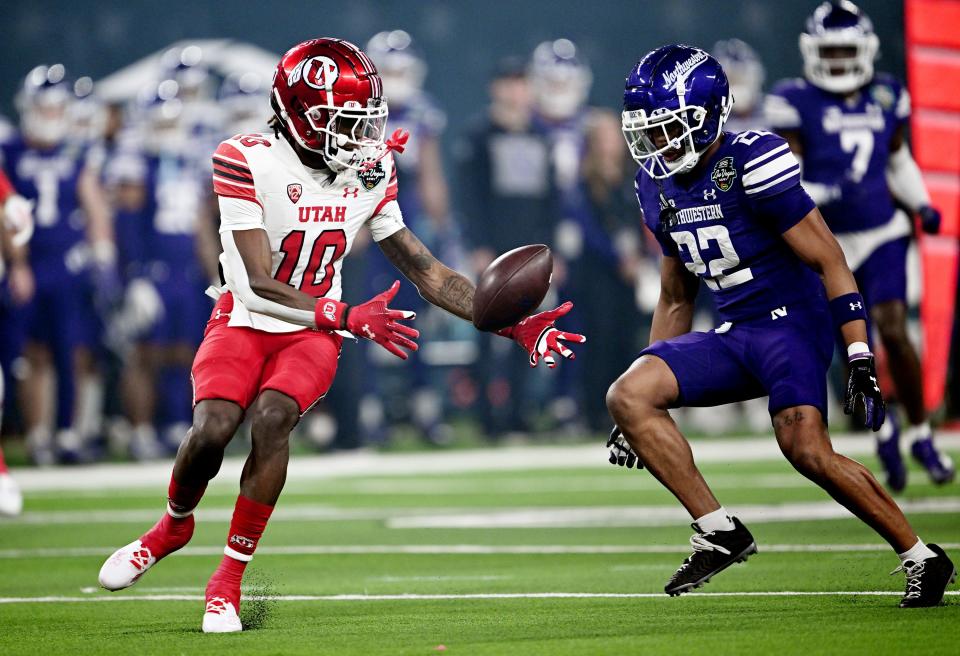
pixel 329 96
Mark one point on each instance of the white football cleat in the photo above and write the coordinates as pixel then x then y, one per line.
pixel 11 501
pixel 125 566
pixel 221 617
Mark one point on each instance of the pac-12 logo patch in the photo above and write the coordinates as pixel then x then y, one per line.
pixel 371 177
pixel 294 191
pixel 724 174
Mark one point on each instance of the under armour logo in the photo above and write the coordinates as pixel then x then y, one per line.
pixel 856 306
pixel 351 192
pixel 710 194
pixel 220 313
pixel 366 331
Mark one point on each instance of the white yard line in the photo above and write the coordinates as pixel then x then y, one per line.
pixel 450 549
pixel 632 516
pixel 457 597
pixel 366 463
pixel 500 517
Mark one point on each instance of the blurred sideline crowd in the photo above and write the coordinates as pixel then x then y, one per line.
pixel 101 314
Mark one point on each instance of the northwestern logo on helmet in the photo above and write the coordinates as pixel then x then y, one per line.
pixel 318 72
pixel 681 69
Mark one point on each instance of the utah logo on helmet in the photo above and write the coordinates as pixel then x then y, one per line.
pixel 318 72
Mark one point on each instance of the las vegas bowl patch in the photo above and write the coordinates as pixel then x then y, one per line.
pixel 371 177
pixel 724 174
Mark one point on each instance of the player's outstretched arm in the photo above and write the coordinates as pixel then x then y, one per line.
pixel 813 243
pixel 673 315
pixel 248 266
pixel 436 282
pixel 447 289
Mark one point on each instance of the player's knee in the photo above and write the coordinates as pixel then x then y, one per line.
pixel 633 394
pixel 274 420
pixel 811 462
pixel 213 428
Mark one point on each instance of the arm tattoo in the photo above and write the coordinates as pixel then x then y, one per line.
pixel 437 283
pixel 456 295
pixel 408 254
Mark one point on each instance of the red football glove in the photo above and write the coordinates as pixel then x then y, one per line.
pixel 372 320
pixel 538 337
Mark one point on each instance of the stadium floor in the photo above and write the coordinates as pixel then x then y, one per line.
pixel 487 552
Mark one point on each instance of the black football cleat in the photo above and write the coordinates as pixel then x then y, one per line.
pixel 927 580
pixel 712 553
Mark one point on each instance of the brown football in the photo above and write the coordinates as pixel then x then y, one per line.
pixel 512 287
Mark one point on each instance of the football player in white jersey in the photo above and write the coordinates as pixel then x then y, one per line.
pixel 291 204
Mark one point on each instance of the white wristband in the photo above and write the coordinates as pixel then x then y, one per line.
pixel 857 350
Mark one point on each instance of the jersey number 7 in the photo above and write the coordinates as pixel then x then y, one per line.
pixel 317 277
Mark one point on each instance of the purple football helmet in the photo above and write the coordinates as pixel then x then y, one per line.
pixel 676 101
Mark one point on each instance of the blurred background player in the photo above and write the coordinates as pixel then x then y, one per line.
pixel 16 228
pixel 560 82
pixel 848 125
pixel 394 394
pixel 72 244
pixel 241 99
pixel 507 197
pixel 168 270
pixel 746 74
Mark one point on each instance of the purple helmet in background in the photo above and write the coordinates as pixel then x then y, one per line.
pixel 675 103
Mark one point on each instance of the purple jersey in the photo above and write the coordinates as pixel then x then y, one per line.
pixel 49 178
pixel 176 188
pixel 846 142
pixel 726 223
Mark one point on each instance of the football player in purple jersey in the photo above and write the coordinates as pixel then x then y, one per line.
pixel 729 209
pixel 424 199
pixel 176 257
pixel 847 123
pixel 71 247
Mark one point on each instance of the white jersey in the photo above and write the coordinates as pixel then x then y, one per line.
pixel 311 218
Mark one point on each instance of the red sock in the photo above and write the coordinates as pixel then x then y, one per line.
pixel 175 528
pixel 3 463
pixel 249 520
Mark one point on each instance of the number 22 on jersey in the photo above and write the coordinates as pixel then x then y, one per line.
pixel 729 259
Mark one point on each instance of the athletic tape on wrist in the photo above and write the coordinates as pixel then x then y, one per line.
pixel 847 308
pixel 858 350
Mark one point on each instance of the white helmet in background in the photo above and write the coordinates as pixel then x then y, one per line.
pixel 745 73
pixel 560 80
pixel 161 110
pixel 44 104
pixel 839 47
pixel 244 100
pixel 400 63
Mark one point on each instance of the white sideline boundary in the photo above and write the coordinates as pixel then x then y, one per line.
pixel 452 550
pixel 462 597
pixel 370 463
